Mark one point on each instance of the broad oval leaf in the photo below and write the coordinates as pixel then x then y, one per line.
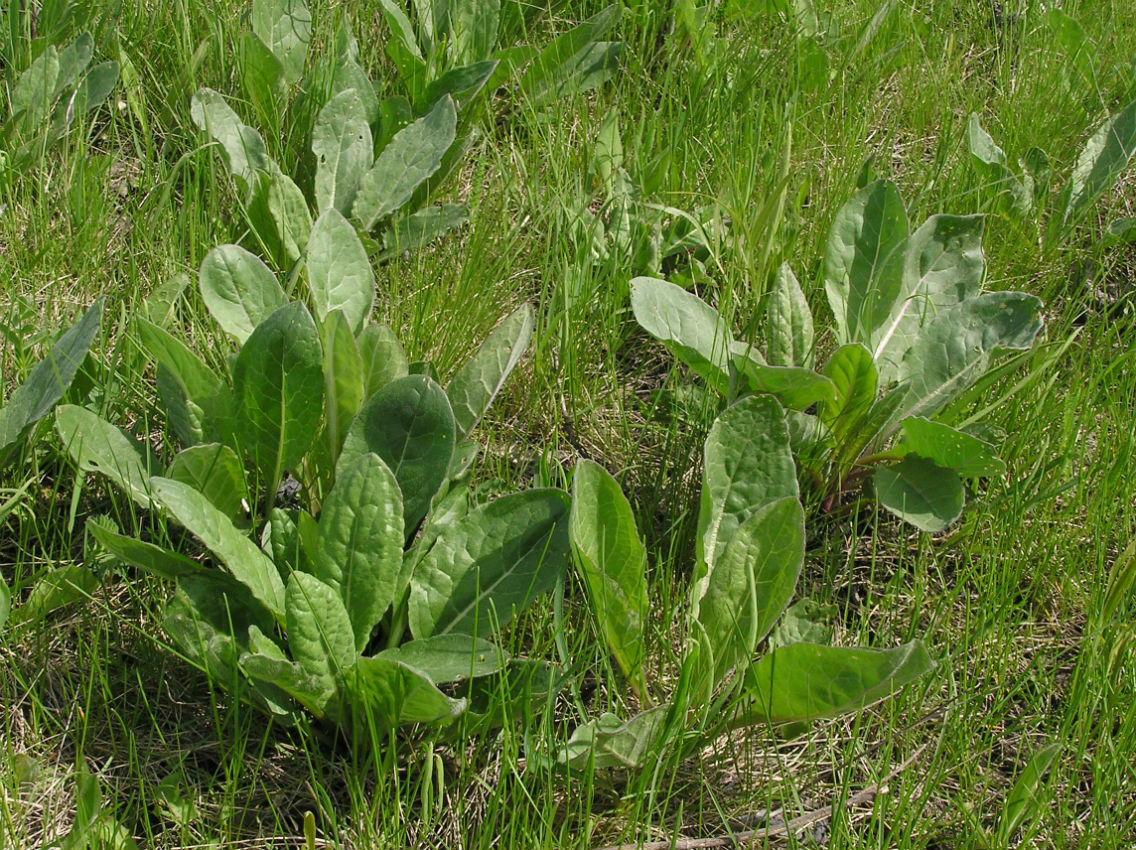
pixel 359 553
pixel 796 387
pixel 384 359
pixel 1105 156
pixel 853 372
pixel 747 465
pixel 863 260
pixel 409 424
pixel 319 631
pixel 609 741
pixel 49 378
pixel 921 492
pixel 966 454
pixel 687 325
pixel 278 386
pixel 343 379
pixel 943 266
pixel 751 584
pixel 239 290
pixel 612 561
pixel 490 564
pixel 388 693
pixel 243 558
pixel 448 658
pixel 339 272
pixel 98 446
pixel 342 144
pixel 215 471
pixel 243 147
pixel 803 681
pixel 412 156
pixel 789 323
pixel 285 26
pixel 477 383
pixel 955 349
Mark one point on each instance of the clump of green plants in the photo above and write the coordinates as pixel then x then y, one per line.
pixel 1026 193
pixel 377 160
pixel 47 98
pixel 750 550
pixel 348 569
pixel 630 231
pixel 914 332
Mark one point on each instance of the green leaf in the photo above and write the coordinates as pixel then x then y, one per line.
pixel 955 349
pixel 687 325
pixel 921 492
pixel 966 454
pixel 245 562
pixel 804 681
pixel 342 144
pixel 795 387
pixel 5 603
pixel 612 562
pixel 747 465
pixel 490 564
pixel 262 74
pixel 942 267
pixel 789 323
pixel 152 559
pixel 270 672
pixel 215 471
pixel 239 290
pixel 609 741
pixel 412 156
pixel 339 272
pixel 473 29
pixel 49 378
pixel 97 446
pixel 34 93
pixel 1013 196
pixel 477 383
pixel 805 621
pixel 863 260
pixel 349 74
pixel 853 372
pixel 60 587
pixel 461 83
pixel 286 27
pixel 409 424
pixel 343 379
pixel 243 147
pixel 280 540
pixel 573 62
pixel 448 658
pixel 198 404
pixel 359 552
pixel 278 387
pixel 287 208
pixel 1024 800
pixel 411 232
pixel 751 584
pixel 383 359
pixel 319 630
pixel 1099 165
pixel 389 693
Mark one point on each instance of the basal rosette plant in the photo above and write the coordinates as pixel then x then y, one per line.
pixel 348 571
pixel 914 330
pixel 751 546
pixel 378 159
pixel 47 98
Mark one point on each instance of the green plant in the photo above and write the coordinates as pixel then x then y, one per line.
pixel 1018 195
pixel 914 331
pixel 48 97
pixel 376 160
pixel 751 546
pixel 351 468
pixel 634 233
pixel 46 384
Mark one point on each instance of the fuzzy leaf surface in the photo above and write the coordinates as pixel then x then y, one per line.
pixel 687 325
pixel 789 323
pixel 239 290
pixel 339 272
pixel 477 383
pixel 921 492
pixel 343 147
pixel 98 446
pixel 450 657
